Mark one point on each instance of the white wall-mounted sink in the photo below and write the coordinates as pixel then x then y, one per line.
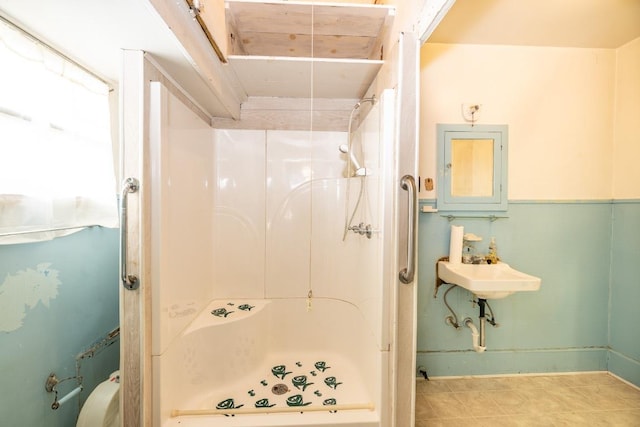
pixel 488 281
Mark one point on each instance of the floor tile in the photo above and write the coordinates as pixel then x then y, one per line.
pixel 590 399
pixel 433 386
pixel 446 422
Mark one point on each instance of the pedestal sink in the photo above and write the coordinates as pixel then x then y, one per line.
pixel 488 281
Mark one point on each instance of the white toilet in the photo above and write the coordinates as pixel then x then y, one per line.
pixel 102 408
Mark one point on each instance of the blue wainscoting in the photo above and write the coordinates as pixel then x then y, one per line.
pixel 562 327
pixel 624 358
pixel 58 297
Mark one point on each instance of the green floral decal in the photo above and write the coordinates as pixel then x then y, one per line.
pixel 264 403
pixel 228 404
pixel 321 366
pixel 251 393
pixel 300 382
pixel 246 307
pixel 296 400
pixel 280 371
pixel 317 393
pixel 264 382
pixel 330 402
pixel 221 312
pixel 332 382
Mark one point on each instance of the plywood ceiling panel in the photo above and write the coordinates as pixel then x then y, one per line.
pixel 292 77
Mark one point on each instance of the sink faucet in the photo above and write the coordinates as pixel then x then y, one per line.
pixel 474 259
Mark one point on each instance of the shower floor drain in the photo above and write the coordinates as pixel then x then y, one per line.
pixel 279 389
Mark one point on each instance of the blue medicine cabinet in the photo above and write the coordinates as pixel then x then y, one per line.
pixel 472 167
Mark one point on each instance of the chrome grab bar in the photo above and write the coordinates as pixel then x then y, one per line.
pixel 408 183
pixel 129 281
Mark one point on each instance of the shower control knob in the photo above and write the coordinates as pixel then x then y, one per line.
pixel 343 148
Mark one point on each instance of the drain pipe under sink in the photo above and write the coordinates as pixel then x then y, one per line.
pixel 475 336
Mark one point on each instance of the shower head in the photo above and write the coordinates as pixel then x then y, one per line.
pixel 359 170
pixel 354 161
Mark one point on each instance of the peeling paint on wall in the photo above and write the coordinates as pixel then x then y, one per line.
pixel 22 291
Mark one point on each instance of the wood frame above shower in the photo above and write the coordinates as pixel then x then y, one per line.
pixel 303 29
pixel 278 48
pixel 264 50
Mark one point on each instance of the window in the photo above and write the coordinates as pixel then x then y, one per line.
pixel 56 159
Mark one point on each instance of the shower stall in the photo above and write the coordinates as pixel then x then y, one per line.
pixel 268 272
pixel 260 305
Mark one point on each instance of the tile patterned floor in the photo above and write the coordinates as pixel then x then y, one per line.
pixel 590 399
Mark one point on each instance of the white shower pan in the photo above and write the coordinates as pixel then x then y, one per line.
pixel 269 363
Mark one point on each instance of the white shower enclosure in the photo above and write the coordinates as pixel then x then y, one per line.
pixel 247 303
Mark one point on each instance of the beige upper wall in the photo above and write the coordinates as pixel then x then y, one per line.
pixel 626 146
pixel 558 103
pixel 344 1
pixel 605 24
pixel 407 14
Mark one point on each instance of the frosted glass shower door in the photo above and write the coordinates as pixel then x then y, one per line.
pixel 167 148
pixel 181 166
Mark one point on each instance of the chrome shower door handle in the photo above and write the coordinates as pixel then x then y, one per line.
pixel 129 281
pixel 406 275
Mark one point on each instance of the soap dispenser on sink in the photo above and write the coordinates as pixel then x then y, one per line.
pixel 492 256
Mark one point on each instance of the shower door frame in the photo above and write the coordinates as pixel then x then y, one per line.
pixel 405 298
pixel 136 395
pixel 139 69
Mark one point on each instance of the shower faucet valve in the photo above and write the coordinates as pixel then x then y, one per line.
pixel 362 229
